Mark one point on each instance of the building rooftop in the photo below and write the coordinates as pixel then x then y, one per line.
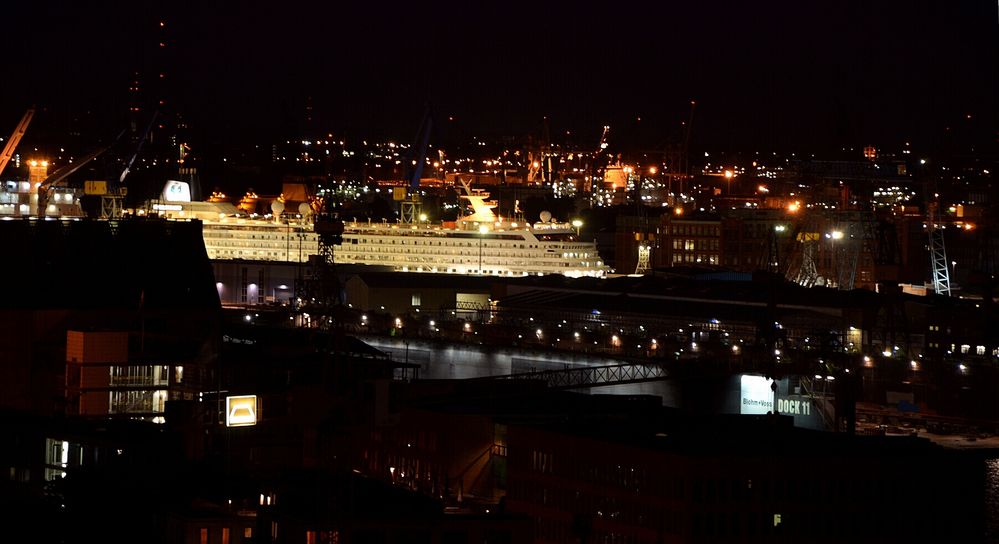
pixel 86 264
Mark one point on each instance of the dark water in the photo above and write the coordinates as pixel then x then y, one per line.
pixel 456 361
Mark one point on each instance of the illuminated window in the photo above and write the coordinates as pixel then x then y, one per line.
pixel 416 299
pixel 204 535
pixel 980 350
pixel 247 532
pixel 776 520
pixel 965 348
pixel 225 535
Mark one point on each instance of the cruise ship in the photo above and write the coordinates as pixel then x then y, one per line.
pixel 479 243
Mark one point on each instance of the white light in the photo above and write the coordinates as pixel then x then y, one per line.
pixel 241 411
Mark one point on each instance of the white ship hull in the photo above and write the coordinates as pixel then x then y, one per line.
pixel 480 243
pixel 409 248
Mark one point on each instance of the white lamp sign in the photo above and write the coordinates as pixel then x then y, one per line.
pixel 241 411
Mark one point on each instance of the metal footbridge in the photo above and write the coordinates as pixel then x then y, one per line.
pixel 593 376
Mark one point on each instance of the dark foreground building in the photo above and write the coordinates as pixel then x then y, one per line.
pixel 606 468
pixel 148 280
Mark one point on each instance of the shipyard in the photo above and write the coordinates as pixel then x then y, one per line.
pixel 429 274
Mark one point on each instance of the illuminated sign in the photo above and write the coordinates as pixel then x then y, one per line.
pixel 176 191
pixel 794 407
pixel 241 411
pixel 755 397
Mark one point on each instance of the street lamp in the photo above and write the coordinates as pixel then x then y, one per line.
pixel 482 234
pixel 577 223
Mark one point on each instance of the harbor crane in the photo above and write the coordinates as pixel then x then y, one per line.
pixel 22 127
pixel 410 203
pixel 61 174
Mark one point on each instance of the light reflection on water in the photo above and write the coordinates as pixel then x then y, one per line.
pixel 456 361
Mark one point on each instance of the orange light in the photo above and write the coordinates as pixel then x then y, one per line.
pixel 968 226
pixel 729 174
pixel 762 189
pixel 653 170
pixel 793 207
pixel 678 211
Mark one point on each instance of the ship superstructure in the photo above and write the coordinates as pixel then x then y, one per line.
pixel 479 243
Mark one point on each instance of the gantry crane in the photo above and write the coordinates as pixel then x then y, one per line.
pixel 938 252
pixel 61 174
pixel 410 205
pixel 676 156
pixel 22 127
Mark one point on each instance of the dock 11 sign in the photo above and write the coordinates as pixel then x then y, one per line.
pixel 757 397
pixel 241 411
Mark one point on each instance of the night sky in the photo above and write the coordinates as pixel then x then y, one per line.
pixel 780 76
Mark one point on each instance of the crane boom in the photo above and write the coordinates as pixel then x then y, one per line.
pixel 65 172
pixel 603 139
pixel 22 127
pixel 422 141
pixel 145 135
